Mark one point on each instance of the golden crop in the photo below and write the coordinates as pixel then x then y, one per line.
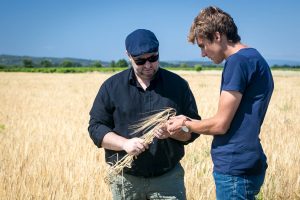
pixel 46 152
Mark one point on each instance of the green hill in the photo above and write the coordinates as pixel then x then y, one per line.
pixel 11 60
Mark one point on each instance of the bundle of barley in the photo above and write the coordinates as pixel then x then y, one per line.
pixel 147 126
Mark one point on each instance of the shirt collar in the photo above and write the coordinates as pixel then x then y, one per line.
pixel 133 80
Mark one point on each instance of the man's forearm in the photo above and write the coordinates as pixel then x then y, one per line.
pixel 181 136
pixel 113 141
pixel 207 126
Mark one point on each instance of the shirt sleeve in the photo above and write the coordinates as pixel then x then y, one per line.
pixel 235 75
pixel 101 116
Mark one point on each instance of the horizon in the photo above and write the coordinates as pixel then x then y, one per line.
pixel 97 30
pixel 271 62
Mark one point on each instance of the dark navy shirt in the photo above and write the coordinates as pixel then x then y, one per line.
pixel 239 151
pixel 122 102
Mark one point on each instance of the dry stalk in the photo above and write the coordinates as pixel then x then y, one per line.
pixel 147 125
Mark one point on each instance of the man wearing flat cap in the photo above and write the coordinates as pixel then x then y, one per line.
pixel 123 100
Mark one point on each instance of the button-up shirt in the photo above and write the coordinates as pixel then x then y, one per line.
pixel 121 102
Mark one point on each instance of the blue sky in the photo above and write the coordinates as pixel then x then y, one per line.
pixel 96 29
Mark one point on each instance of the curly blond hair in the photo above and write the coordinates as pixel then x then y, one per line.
pixel 211 20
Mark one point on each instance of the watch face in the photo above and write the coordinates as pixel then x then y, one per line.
pixel 185 129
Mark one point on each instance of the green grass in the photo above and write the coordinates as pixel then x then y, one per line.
pixel 61 69
pixel 109 69
pixel 80 69
pixel 286 68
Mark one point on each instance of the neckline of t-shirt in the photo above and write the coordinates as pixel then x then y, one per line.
pixel 239 51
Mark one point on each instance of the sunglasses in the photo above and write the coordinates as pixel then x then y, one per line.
pixel 142 61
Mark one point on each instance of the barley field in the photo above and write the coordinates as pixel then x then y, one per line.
pixel 46 152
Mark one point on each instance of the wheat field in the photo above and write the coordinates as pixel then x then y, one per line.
pixel 46 152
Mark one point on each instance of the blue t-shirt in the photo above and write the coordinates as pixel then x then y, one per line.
pixel 239 151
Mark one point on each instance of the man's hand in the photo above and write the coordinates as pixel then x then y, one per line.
pixel 162 132
pixel 134 146
pixel 174 124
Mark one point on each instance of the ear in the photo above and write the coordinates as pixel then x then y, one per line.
pixel 129 56
pixel 217 36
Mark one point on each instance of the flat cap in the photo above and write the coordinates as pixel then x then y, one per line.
pixel 141 41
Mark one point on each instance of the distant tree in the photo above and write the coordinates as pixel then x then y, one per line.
pixel 122 63
pixel 184 65
pixel 67 63
pixel 28 63
pixel 198 67
pixel 55 64
pixel 112 64
pixel 76 64
pixel 97 64
pixel 46 63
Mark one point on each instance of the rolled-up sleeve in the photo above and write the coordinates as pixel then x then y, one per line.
pixel 101 116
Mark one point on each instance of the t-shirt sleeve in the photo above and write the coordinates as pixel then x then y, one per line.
pixel 235 75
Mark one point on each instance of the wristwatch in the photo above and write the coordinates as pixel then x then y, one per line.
pixel 184 128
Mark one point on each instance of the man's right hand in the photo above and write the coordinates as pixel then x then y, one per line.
pixel 134 146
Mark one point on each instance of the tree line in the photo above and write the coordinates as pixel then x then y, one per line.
pixel 122 63
pixel 28 63
pixel 68 66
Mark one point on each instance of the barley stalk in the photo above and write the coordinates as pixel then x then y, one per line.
pixel 148 125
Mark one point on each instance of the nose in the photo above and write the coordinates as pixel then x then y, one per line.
pixel 147 63
pixel 203 53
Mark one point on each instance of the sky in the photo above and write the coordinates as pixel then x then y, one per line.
pixel 96 29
